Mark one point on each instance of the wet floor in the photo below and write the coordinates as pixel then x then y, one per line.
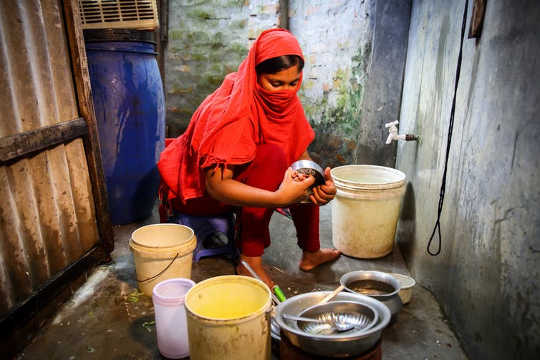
pixel 108 318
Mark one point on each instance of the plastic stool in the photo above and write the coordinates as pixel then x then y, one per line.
pixel 205 226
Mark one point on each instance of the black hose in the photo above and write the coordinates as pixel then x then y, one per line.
pixel 437 228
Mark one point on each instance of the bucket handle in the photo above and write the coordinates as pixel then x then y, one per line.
pixel 161 272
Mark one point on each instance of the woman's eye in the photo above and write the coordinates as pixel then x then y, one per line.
pixel 275 83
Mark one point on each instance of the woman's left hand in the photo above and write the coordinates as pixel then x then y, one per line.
pixel 322 194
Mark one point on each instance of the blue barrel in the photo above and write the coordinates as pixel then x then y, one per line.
pixel 129 104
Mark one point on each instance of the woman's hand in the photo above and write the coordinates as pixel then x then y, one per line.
pixel 322 194
pixel 221 185
pixel 293 188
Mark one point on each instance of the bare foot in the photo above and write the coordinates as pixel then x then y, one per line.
pixel 255 262
pixel 311 260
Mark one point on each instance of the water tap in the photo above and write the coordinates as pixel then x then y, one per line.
pixel 393 133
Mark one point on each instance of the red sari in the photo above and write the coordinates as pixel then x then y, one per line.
pixel 230 127
pixel 229 124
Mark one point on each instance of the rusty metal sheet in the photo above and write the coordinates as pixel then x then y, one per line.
pixel 47 215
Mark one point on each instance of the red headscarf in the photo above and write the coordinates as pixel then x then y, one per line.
pixel 226 128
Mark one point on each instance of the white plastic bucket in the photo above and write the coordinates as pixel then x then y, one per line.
pixel 171 326
pixel 161 252
pixel 366 209
pixel 229 319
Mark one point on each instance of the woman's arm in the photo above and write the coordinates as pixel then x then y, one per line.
pixel 221 186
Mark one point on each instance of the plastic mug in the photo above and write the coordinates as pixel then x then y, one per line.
pixel 171 324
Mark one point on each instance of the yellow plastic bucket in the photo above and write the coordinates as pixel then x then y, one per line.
pixel 228 317
pixel 161 252
pixel 366 209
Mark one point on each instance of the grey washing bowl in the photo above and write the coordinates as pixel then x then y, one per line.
pixel 391 299
pixel 335 345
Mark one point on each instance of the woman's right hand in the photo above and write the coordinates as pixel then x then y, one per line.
pixel 293 190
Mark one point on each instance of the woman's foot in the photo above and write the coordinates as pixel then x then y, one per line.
pixel 256 264
pixel 311 260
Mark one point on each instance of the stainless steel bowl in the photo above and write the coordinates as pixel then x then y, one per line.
pixel 336 345
pixel 390 299
pixel 274 329
pixel 311 168
pixel 353 317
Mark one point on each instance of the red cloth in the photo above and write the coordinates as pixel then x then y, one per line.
pixel 254 233
pixel 232 121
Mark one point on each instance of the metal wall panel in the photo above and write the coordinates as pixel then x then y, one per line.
pixel 47 215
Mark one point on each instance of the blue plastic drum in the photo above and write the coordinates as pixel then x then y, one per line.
pixel 129 104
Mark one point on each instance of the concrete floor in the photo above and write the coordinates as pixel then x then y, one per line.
pixel 109 319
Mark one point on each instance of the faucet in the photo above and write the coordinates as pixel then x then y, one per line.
pixel 393 133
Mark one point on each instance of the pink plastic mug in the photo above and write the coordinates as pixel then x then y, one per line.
pixel 171 324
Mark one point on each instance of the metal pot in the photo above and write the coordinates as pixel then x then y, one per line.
pixel 310 168
pixel 391 299
pixel 335 345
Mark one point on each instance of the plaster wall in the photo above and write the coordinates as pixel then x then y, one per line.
pixel 355 56
pixel 487 275
pixel 336 40
pixel 207 40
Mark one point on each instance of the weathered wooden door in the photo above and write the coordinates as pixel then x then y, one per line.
pixel 53 210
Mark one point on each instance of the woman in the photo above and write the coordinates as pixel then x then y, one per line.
pixel 240 142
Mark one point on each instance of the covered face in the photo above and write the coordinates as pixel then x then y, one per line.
pixel 285 79
pixel 278 61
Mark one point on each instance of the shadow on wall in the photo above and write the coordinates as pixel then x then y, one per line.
pixel 175 129
pixel 407 224
pixel 331 150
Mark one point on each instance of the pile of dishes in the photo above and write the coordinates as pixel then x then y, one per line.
pixel 372 314
pixel 351 324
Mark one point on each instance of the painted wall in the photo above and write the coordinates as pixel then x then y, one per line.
pixel 487 275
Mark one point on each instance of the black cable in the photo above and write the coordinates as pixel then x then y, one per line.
pixel 437 227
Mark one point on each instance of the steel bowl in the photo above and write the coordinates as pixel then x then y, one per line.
pixel 274 329
pixel 310 168
pixel 335 345
pixel 358 315
pixel 406 284
pixel 390 299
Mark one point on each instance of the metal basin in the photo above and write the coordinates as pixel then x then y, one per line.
pixel 335 345
pixel 352 315
pixel 390 298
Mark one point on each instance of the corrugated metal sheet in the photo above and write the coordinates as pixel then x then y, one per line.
pixel 47 216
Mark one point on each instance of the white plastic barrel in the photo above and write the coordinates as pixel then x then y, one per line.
pixel 161 252
pixel 229 319
pixel 171 326
pixel 366 209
